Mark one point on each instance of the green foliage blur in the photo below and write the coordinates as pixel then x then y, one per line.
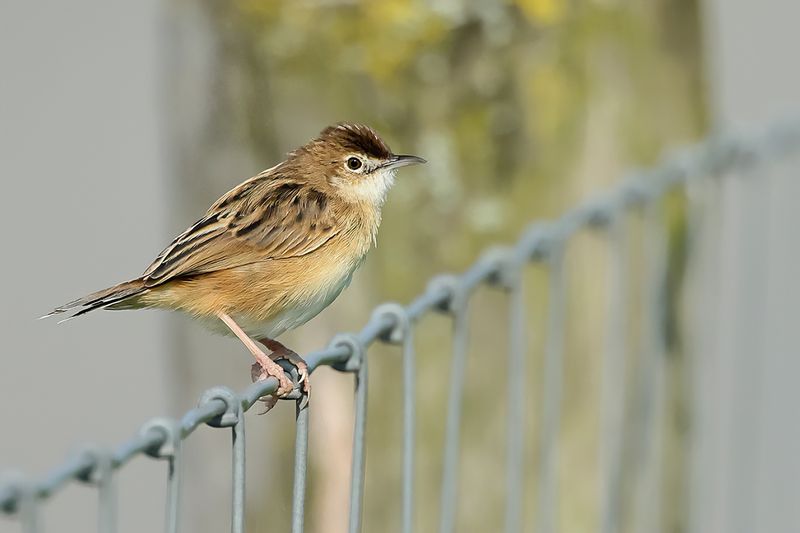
pixel 522 108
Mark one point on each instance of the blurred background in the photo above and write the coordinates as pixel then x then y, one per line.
pixel 121 122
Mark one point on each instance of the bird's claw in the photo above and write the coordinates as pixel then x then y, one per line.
pixel 302 403
pixel 285 385
pixel 302 372
pixel 304 384
pixel 260 373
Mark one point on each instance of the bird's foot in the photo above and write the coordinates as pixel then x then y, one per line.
pixel 299 363
pixel 265 368
pixel 279 351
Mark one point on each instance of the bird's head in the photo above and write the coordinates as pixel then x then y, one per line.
pixel 353 161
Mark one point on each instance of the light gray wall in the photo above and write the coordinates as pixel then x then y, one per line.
pixel 745 464
pixel 83 183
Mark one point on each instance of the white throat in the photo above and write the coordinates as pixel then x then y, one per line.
pixel 372 188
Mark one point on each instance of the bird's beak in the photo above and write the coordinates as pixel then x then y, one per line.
pixel 397 161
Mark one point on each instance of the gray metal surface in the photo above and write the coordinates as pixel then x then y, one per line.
pixel 501 267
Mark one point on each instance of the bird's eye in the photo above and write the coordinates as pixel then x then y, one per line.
pixel 354 163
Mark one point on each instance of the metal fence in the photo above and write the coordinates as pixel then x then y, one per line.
pixel 501 267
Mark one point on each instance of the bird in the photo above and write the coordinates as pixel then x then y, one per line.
pixel 272 252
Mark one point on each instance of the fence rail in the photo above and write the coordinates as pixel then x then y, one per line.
pixel 502 267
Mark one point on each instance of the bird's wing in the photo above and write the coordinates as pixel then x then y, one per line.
pixel 266 217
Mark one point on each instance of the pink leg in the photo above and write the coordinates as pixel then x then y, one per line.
pixel 279 351
pixel 266 366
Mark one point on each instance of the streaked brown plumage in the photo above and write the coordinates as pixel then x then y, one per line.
pixel 275 250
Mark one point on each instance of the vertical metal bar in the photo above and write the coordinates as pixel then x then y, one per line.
pixel 233 417
pixel 651 390
pixel 409 417
pixel 29 508
pixel 300 467
pixel 238 458
pixel 106 494
pixel 171 451
pixel 402 332
pixel 551 402
pixel 516 405
pixel 614 380
pixel 453 424
pixel 173 492
pixel 357 475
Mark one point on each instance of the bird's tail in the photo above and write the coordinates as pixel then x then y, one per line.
pixel 122 296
